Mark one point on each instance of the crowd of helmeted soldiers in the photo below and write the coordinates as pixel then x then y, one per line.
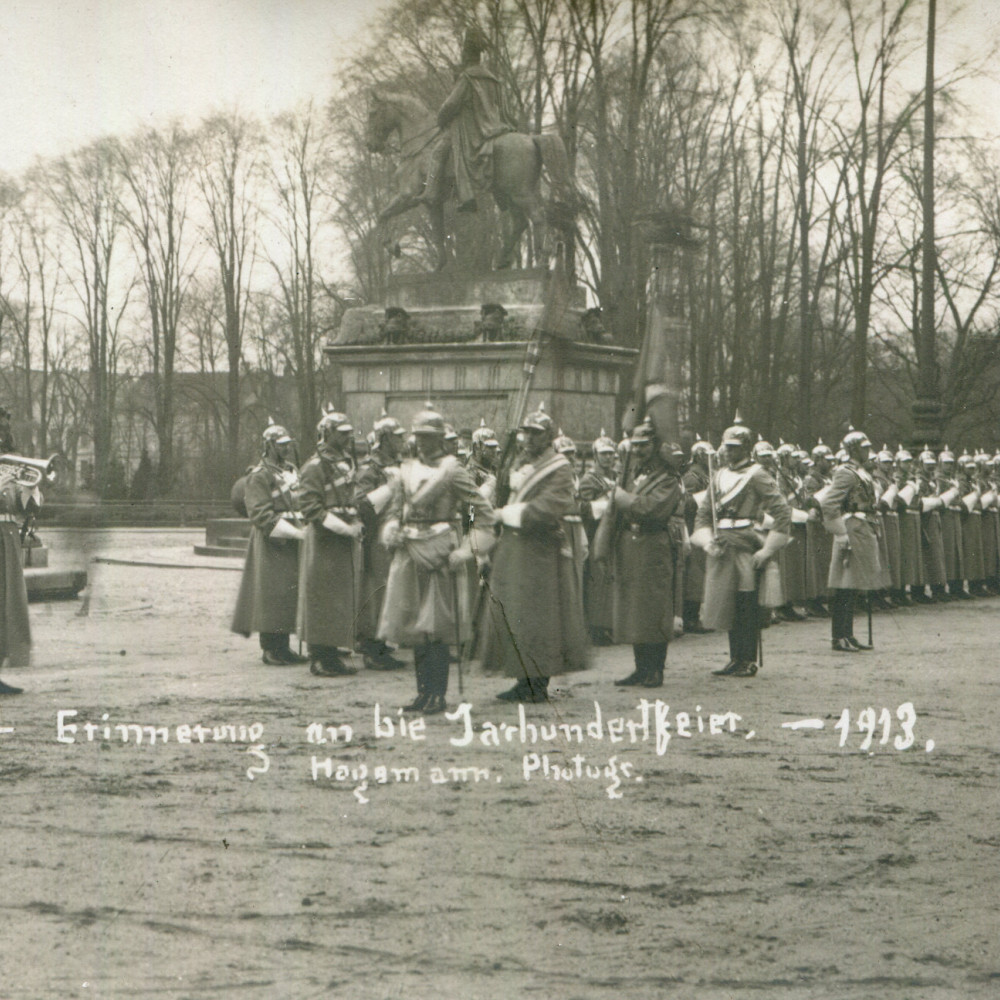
pixel 525 556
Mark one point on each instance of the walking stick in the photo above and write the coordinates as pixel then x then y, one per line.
pixel 459 645
pixel 871 642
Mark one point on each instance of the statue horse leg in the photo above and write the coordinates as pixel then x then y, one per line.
pixel 517 168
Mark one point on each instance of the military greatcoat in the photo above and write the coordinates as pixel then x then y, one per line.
pixel 372 473
pixel 849 505
pixel 743 496
pixel 532 623
pixel 15 633
pixel 593 493
pixel 330 573
pixel 425 600
pixel 268 596
pixel 648 543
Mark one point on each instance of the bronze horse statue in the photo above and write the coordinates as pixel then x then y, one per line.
pixel 518 162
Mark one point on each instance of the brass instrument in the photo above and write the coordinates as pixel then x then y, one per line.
pixel 27 472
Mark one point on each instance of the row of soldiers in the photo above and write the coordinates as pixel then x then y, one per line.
pixel 419 545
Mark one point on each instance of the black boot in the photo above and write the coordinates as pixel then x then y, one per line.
pixel 734 653
pixel 423 677
pixel 654 660
pixel 638 675
pixel 325 661
pixel 521 691
pixel 378 656
pixel 538 688
pixel 439 662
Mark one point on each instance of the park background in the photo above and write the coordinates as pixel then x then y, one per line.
pixel 188 208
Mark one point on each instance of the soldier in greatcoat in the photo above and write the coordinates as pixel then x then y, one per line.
pixel 426 602
pixel 376 475
pixel 649 538
pixel 596 485
pixel 695 483
pixel 268 597
pixel 849 515
pixel 330 578
pixel 737 499
pixel 483 459
pixel 911 557
pixel 988 502
pixel 887 496
pixel 815 480
pixel 951 524
pixel 15 499
pixel 792 558
pixel 931 503
pixel 972 526
pixel 533 626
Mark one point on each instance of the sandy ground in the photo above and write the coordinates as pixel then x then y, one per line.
pixel 768 861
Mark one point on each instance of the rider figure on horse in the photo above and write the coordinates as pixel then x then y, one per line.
pixel 470 118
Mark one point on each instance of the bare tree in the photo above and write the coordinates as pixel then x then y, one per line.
pixel 158 168
pixel 228 174
pixel 85 190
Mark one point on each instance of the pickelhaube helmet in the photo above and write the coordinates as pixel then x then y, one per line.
pixel 485 436
pixel 982 456
pixel 821 451
pixel 842 456
pixel 428 421
pixel 965 460
pixel 450 434
pixel 275 433
pixel 738 435
pixel 701 446
pixel 602 443
pixel 539 421
pixel 333 420
pixel 885 455
pixel 902 455
pixel 387 425
pixel 995 460
pixel 643 432
pixel 947 456
pixel 853 439
pixel 927 457
pixel 564 444
pixel 784 449
pixel 763 449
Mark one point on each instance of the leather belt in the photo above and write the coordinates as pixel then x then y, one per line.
pixel 734 522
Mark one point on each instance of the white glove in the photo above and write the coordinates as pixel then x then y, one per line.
pixel 511 514
pixel 284 529
pixel 333 523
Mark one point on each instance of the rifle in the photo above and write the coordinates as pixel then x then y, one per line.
pixel 550 323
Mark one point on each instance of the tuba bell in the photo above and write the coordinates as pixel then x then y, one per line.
pixel 27 472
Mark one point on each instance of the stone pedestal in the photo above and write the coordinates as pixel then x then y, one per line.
pixel 446 309
pixel 442 354
pixel 580 384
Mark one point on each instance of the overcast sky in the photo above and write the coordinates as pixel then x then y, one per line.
pixel 73 70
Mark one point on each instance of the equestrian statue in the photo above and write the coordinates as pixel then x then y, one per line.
pixel 470 148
